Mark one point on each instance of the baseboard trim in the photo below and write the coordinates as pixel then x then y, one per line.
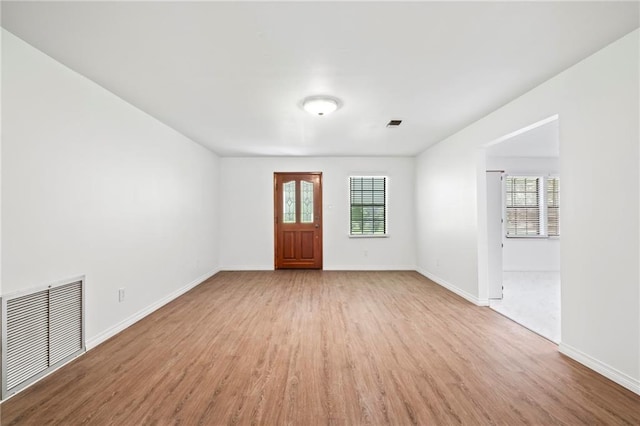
pixel 247 268
pixel 128 322
pixel 370 268
pixel 329 268
pixel 600 367
pixel 462 293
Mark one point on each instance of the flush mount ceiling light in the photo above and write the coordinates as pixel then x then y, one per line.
pixel 320 105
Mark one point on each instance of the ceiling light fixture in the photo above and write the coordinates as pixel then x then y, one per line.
pixel 320 105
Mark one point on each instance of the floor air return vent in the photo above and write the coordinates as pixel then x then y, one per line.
pixel 41 330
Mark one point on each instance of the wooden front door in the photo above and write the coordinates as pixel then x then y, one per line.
pixel 298 220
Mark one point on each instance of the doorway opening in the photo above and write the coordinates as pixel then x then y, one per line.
pixel 298 220
pixel 523 227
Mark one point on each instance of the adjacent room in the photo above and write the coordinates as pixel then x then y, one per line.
pixel 310 212
pixel 523 186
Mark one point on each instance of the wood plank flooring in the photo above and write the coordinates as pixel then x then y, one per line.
pixel 323 348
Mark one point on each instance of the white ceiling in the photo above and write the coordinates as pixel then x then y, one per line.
pixel 231 75
pixel 542 141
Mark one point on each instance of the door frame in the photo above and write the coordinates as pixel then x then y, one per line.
pixel 495 231
pixel 276 222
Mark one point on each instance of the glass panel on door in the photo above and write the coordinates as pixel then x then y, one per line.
pixel 306 189
pixel 289 201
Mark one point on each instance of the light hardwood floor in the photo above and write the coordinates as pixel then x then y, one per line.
pixel 312 348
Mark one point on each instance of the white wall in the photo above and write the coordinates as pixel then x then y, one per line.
pixel 597 102
pixel 92 185
pixel 1 133
pixel 529 254
pixel 246 235
pixel 446 232
pixel 525 165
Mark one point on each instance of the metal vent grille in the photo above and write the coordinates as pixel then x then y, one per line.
pixel 27 337
pixel 65 321
pixel 41 330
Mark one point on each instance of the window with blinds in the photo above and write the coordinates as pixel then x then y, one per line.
pixel 368 197
pixel 532 206
pixel 553 206
pixel 523 206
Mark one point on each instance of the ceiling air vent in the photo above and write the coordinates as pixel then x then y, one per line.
pixel 394 123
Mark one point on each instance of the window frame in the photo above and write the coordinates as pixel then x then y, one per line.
pixel 385 206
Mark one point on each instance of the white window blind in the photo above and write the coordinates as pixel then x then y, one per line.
pixel 532 206
pixel 368 197
pixel 523 206
pixel 553 206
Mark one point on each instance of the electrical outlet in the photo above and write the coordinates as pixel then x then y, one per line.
pixel 121 295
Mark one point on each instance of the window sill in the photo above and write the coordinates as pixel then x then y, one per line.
pixel 532 237
pixel 369 236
